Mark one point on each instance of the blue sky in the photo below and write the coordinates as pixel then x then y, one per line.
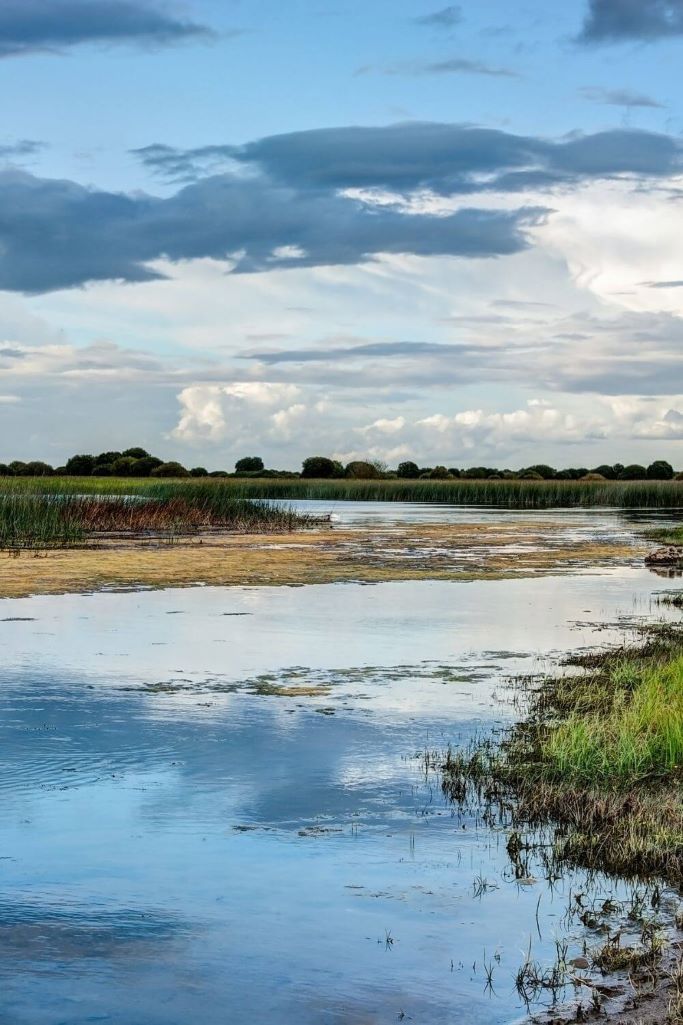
pixel 448 232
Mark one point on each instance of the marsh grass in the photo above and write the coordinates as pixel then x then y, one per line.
pixel 512 494
pixel 636 731
pixel 597 758
pixel 40 517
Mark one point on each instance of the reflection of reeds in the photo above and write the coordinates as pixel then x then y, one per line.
pixel 33 520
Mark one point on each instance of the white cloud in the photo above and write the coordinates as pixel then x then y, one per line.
pixel 235 411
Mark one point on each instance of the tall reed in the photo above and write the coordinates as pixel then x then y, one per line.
pixel 31 519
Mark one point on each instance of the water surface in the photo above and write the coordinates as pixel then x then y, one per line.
pixel 215 806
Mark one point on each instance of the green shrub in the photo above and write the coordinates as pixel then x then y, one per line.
pixel 633 472
pixel 170 470
pixel 249 464
pixel 408 470
pixel 660 470
pixel 319 467
pixel 361 470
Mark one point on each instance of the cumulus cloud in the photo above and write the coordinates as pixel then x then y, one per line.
pixel 238 410
pixel 477 433
pixel 615 21
pixel 34 26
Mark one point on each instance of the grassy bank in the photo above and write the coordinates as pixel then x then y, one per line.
pixel 667 535
pixel 598 757
pixel 514 494
pixel 44 517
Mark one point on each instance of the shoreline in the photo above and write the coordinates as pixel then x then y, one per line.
pixel 463 551
pixel 590 777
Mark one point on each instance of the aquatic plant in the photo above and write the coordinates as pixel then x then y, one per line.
pixel 48 518
pixel 512 494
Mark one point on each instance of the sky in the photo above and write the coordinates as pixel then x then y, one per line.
pixel 389 230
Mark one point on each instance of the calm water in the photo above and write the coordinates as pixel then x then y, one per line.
pixel 179 845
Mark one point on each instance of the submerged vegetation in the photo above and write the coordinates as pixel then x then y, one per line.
pixel 53 517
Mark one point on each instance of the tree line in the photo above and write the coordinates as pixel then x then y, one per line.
pixel 138 462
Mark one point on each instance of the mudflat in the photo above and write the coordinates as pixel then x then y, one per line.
pixel 462 551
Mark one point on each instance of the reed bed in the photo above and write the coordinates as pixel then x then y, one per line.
pixel 511 494
pixel 30 518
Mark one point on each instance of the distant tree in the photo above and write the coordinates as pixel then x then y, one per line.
pixel 137 453
pixel 618 467
pixel 608 472
pixel 107 458
pixel 219 473
pixel 80 466
pixel 143 466
pixel 171 469
pixel 593 475
pixel 454 471
pixel 408 470
pixel 17 468
pixel 36 468
pixel 199 471
pixel 475 473
pixel 101 470
pixel 361 470
pixel 633 472
pixel 530 475
pixel 5 470
pixel 439 473
pixel 318 466
pixel 660 470
pixel 249 464
pixel 544 471
pixel 123 466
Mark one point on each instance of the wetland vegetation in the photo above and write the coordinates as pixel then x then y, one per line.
pixel 58 515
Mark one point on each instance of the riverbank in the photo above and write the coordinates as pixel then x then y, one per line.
pixel 462 551
pixel 592 773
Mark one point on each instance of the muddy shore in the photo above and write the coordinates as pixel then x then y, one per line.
pixel 410 552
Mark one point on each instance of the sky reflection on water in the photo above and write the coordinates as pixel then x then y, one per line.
pixel 177 847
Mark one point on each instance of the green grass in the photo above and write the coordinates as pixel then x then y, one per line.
pixel 513 494
pixel 667 535
pixel 598 759
pixel 639 735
